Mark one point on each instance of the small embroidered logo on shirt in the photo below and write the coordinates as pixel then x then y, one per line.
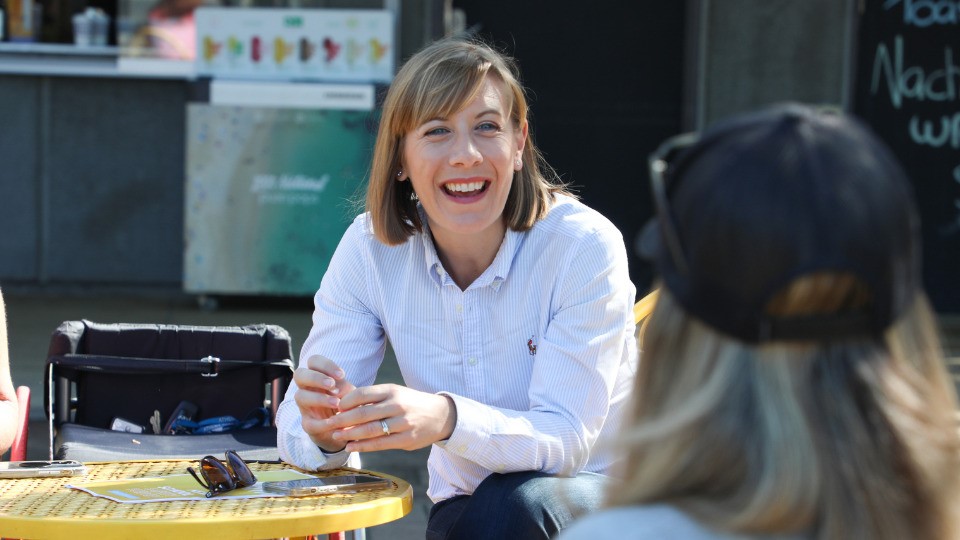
pixel 531 346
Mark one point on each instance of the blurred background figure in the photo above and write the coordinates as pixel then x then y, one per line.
pixel 792 381
pixel 8 396
pixel 170 31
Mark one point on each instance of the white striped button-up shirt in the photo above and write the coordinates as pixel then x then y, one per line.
pixel 538 353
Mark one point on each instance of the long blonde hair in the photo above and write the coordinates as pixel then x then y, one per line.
pixel 846 439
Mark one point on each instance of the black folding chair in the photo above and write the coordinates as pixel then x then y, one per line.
pixel 97 373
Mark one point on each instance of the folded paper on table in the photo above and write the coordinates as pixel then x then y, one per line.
pixel 178 487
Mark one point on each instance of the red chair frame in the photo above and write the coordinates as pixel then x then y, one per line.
pixel 18 452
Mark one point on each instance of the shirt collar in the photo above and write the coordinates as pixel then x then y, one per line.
pixel 430 257
pixel 492 276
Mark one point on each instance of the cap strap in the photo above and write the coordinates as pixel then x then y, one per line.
pixel 817 328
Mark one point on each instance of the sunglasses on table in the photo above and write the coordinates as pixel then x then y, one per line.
pixel 660 162
pixel 223 476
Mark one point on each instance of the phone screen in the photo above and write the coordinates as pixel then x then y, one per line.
pixel 332 484
pixel 337 481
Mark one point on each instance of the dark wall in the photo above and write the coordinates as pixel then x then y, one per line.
pixel 91 187
pixel 19 161
pixel 756 52
pixel 605 82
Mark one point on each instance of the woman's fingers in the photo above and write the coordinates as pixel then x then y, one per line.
pixel 320 383
pixel 319 434
pixel 322 374
pixel 363 422
pixel 390 416
pixel 313 400
pixel 318 362
pixel 371 427
pixel 367 395
pixel 362 410
pixel 394 441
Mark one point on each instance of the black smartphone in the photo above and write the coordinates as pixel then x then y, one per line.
pixel 331 484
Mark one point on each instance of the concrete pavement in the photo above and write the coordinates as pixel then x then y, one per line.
pixel 33 314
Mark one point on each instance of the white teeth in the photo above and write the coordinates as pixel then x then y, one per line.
pixel 465 188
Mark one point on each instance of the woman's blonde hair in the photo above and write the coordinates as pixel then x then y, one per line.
pixel 846 439
pixel 437 82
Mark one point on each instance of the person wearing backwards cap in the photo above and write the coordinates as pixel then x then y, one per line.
pixel 792 382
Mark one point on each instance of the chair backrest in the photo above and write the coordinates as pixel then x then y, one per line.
pixel 641 313
pixel 644 307
pixel 103 371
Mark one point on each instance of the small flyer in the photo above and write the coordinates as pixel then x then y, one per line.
pixel 178 487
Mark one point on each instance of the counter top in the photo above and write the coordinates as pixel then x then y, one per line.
pixel 57 59
pixel 56 49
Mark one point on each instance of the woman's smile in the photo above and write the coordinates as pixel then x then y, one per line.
pixel 465 191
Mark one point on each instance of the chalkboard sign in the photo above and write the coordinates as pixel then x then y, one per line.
pixel 907 87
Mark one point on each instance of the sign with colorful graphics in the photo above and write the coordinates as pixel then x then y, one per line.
pixel 337 45
pixel 269 192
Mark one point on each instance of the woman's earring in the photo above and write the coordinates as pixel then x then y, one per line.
pixel 400 174
pixel 518 164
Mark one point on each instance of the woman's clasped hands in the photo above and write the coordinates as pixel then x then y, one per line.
pixel 338 415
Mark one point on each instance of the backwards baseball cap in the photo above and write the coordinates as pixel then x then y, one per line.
pixel 764 198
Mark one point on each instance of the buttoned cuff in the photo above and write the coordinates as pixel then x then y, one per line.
pixel 472 430
pixel 336 456
pixel 313 458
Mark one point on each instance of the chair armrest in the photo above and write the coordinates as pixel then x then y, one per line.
pixel 18 452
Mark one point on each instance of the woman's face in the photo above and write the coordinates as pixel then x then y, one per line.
pixel 462 166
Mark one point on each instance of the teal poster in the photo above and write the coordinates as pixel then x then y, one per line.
pixel 269 192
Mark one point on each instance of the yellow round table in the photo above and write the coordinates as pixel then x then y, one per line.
pixel 45 508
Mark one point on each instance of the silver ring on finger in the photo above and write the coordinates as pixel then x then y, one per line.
pixel 384 427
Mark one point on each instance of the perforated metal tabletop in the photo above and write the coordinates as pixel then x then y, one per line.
pixel 46 508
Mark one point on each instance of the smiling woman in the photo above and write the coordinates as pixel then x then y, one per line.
pixel 495 287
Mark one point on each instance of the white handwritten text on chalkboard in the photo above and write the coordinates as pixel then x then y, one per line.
pixel 913 82
pixel 923 13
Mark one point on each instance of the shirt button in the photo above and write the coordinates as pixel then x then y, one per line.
pixel 459 308
pixel 472 361
pixel 462 448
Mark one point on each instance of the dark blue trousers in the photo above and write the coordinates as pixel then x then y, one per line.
pixel 523 505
